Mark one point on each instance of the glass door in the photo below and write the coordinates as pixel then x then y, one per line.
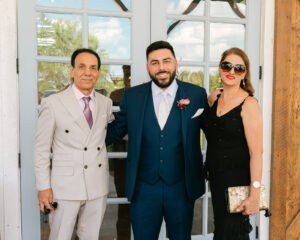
pixel 49 31
pixel 120 31
pixel 200 30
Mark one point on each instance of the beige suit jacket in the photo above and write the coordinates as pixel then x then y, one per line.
pixel 79 158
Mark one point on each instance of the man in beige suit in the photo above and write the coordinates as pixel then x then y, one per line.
pixel 72 126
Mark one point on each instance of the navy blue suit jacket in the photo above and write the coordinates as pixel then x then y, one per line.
pixel 130 120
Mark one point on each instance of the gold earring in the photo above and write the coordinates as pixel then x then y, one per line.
pixel 219 79
pixel 243 82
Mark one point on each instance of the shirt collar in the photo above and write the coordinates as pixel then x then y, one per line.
pixel 171 90
pixel 79 95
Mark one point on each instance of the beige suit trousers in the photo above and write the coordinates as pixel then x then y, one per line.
pixel 90 215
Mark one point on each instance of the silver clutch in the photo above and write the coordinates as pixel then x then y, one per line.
pixel 236 195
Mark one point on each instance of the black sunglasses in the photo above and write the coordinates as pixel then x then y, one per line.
pixel 238 68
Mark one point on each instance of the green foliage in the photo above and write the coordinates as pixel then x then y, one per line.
pixel 60 37
pixel 196 78
pixel 214 81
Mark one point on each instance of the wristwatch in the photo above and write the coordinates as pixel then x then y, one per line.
pixel 255 184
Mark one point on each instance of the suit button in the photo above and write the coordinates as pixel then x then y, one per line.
pixel 67 131
pixel 98 148
pixel 99 165
pixel 85 166
pixel 161 161
pixel 161 148
pixel 161 135
pixel 85 148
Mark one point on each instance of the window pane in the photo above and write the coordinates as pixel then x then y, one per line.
pixel 187 39
pixel 197 223
pixel 210 220
pixel 193 75
pixel 116 224
pixel 228 8
pixel 58 34
pixel 111 35
pixel 214 79
pixel 186 7
pixel 224 36
pixel 52 77
pixel 113 80
pixel 60 3
pixel 110 5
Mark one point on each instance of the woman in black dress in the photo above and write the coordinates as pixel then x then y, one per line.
pixel 233 130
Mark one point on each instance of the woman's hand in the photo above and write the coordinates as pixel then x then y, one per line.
pixel 250 205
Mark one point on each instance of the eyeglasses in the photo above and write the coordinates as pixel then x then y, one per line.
pixel 238 68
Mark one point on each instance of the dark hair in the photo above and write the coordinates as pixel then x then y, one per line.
pixel 247 85
pixel 159 45
pixel 84 50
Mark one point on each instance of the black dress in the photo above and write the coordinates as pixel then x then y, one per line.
pixel 227 164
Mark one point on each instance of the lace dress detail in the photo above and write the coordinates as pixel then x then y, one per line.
pixel 227 164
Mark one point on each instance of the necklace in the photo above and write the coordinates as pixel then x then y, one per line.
pixel 222 104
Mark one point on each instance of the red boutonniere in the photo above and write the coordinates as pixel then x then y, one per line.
pixel 182 103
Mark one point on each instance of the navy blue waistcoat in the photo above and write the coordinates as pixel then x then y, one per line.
pixel 162 150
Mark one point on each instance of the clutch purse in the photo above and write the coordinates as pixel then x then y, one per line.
pixel 236 195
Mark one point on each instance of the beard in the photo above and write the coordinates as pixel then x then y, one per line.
pixel 163 85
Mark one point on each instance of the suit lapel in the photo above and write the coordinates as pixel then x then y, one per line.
pixel 141 98
pixel 99 109
pixel 71 104
pixel 184 112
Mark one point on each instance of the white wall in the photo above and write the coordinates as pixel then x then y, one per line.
pixel 266 92
pixel 10 227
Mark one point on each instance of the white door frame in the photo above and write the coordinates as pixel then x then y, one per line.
pixel 27 35
pixel 27 52
pixel 10 215
pixel 28 116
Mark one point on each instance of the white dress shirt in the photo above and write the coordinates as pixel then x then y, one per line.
pixel 157 97
pixel 79 95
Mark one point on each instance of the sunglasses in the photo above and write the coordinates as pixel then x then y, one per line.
pixel 238 68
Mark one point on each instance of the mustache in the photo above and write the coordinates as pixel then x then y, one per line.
pixel 161 72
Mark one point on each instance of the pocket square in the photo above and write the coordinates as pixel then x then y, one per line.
pixel 198 112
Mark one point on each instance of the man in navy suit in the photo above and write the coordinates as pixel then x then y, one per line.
pixel 164 172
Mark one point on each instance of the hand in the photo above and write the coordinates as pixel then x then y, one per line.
pixel 250 205
pixel 45 198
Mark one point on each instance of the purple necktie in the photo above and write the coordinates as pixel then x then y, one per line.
pixel 87 111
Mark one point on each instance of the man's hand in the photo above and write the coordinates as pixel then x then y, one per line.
pixel 45 198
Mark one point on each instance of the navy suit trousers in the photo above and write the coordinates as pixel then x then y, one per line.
pixel 153 202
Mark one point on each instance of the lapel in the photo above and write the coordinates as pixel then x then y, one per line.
pixel 141 99
pixel 72 106
pixel 184 112
pixel 100 110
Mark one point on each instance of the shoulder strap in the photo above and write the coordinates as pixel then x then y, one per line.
pixel 250 95
pixel 221 90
